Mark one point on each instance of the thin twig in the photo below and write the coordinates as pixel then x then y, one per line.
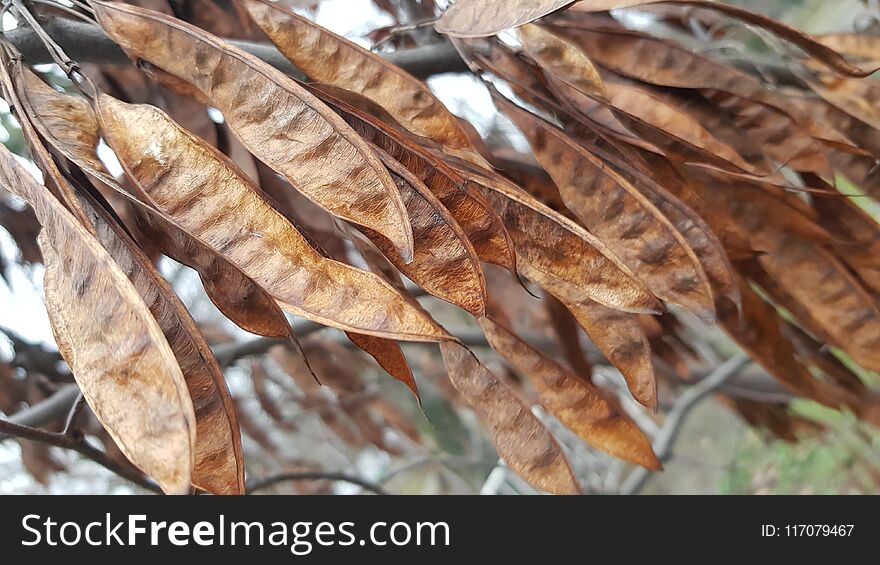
pixel 47 411
pixel 403 29
pixel 67 10
pixel 74 418
pixel 79 445
pixel 59 57
pixel 263 484
pixel 448 462
pixel 88 43
pixel 671 428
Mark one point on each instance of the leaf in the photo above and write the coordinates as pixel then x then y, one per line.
pixel 562 58
pixel 656 61
pixel 848 222
pixel 774 293
pixel 116 350
pixel 480 18
pixel 617 335
pixel 827 56
pixel 444 263
pixel 217 458
pixel 661 125
pixel 567 332
pixel 218 465
pixel 686 212
pixel 675 133
pixel 468 207
pixel 524 76
pixel 760 214
pixel 387 353
pixel 762 134
pixel 757 329
pixel 576 403
pixel 838 301
pixel 860 45
pixel 795 257
pixel 612 209
pixel 818 356
pixel 389 356
pixel 858 98
pixel 207 195
pixel 329 58
pixel 524 443
pixel 68 124
pixel 278 121
pixel 556 246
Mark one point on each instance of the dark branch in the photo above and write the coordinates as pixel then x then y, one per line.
pixel 86 43
pixel 47 411
pixel 683 406
pixel 79 445
pixel 263 484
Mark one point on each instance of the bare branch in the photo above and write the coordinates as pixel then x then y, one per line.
pixel 46 411
pixel 75 416
pixel 79 445
pixel 671 428
pixel 87 43
pixel 263 484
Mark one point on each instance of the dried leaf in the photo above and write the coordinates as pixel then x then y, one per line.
pixel 330 58
pixel 660 62
pixel 468 207
pixel 576 403
pixel 389 356
pixel 686 212
pixel 827 56
pixel 616 334
pixel 558 247
pixel 444 262
pixel 776 418
pixel 521 439
pixel 116 350
pixel 565 327
pixel 858 98
pixel 860 233
pixel 761 214
pixel 207 195
pixel 818 356
pixel 278 121
pixel 859 45
pixel 673 132
pixel 217 459
pixel 562 58
pixel 475 18
pixel 68 124
pixel 218 465
pixel 610 207
pixel 524 76
pixel 762 134
pixel 757 329
pixel 837 300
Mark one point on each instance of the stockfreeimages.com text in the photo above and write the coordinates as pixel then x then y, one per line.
pixel 300 537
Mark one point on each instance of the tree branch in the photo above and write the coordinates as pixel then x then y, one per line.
pixel 78 444
pixel 263 484
pixel 87 43
pixel 47 411
pixel 671 428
